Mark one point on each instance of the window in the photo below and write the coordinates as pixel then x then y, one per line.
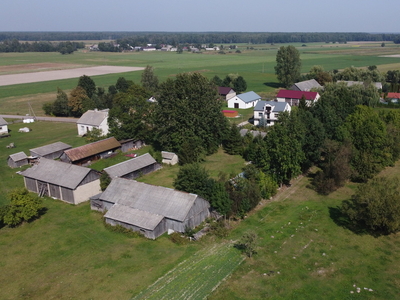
pixel 260 114
pixel 276 116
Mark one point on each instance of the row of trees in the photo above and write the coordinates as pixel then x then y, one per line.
pixel 175 38
pixel 62 47
pixel 234 81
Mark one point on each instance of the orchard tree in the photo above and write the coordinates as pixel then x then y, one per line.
pixel 376 205
pixel 288 65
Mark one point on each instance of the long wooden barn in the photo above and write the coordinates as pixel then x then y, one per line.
pixel 85 154
pixel 133 168
pixel 149 209
pixel 70 183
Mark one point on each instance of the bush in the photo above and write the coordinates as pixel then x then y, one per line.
pixel 178 239
pixel 219 228
pixel 375 205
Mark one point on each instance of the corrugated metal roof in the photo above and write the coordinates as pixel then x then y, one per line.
pixel 254 133
pixel 249 97
pixel 167 155
pixel 93 117
pixel 51 148
pixel 134 216
pixel 92 149
pixel 307 85
pixel 130 166
pixel 157 200
pixel 278 106
pixel 18 156
pixel 296 94
pixel 58 173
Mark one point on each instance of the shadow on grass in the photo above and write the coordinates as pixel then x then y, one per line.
pixel 343 220
pixel 274 85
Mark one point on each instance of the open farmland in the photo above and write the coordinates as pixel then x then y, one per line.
pixel 255 65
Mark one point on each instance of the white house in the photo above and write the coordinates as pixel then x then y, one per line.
pixel 266 113
pixel 93 119
pixel 243 101
pixel 294 97
pixel 3 126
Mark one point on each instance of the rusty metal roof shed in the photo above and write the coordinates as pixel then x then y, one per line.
pixel 91 149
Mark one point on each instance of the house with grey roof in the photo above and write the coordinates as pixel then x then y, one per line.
pixel 148 209
pixel 245 100
pixel 133 168
pixel 169 158
pixel 3 126
pixel 51 151
pixel 305 86
pixel 69 183
pixel 93 119
pixel 266 113
pixel 17 160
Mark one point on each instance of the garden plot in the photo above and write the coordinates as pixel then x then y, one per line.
pixel 197 277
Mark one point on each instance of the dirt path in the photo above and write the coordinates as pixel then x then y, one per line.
pixel 63 74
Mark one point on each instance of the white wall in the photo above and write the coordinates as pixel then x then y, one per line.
pixel 84 192
pixel 242 104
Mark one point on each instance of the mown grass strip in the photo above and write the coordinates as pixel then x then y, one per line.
pixel 197 277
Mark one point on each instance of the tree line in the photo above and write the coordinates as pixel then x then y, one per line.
pixel 43 46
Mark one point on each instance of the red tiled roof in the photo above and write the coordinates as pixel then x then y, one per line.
pixel 393 95
pixel 296 94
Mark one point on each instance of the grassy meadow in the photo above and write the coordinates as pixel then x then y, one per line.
pixel 255 65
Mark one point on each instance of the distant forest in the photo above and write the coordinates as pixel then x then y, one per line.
pixel 176 38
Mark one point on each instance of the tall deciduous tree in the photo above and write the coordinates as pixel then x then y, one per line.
pixel 77 101
pixel 88 85
pixel 288 65
pixel 189 110
pixel 149 80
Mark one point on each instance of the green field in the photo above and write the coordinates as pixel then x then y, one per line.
pixel 256 66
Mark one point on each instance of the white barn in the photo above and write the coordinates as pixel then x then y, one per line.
pixel 245 100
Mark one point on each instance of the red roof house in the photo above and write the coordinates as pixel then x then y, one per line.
pixel 294 97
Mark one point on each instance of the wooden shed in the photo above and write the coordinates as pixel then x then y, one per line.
pixel 70 183
pixel 169 158
pixel 51 151
pixel 133 168
pixel 85 154
pixel 131 144
pixel 149 209
pixel 17 160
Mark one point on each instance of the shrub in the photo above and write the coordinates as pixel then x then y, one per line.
pixel 178 239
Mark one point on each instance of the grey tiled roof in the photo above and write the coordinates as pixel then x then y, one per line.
pixel 3 122
pixel 18 156
pixel 58 173
pixel 279 106
pixel 249 97
pixel 156 200
pixel 93 117
pixel 134 216
pixel 51 148
pixel 307 85
pixel 130 165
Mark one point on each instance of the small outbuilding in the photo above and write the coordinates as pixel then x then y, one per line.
pixel 131 144
pixel 69 183
pixel 306 86
pixel 17 160
pixel 51 151
pixel 85 154
pixel 226 92
pixel 169 158
pixel 3 126
pixel 133 168
pixel 148 209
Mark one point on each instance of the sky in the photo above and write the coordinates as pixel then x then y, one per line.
pixel 201 16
